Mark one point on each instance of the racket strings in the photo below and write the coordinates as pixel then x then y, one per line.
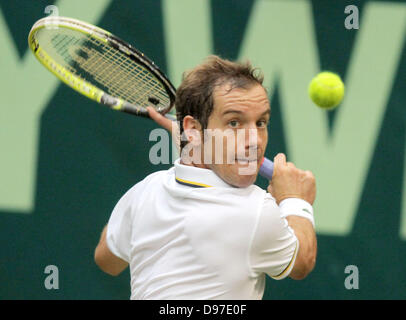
pixel 133 83
pixel 136 82
pixel 109 68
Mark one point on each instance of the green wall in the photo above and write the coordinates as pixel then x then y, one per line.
pixel 65 161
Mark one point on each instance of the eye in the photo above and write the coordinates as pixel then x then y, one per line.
pixel 233 123
pixel 262 123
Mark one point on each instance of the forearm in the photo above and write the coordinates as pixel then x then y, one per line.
pixel 306 257
pixel 294 191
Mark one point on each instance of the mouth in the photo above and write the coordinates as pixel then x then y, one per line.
pixel 242 160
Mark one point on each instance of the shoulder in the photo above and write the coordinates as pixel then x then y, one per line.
pixel 136 191
pixel 242 194
pixel 270 224
pixel 148 179
pixel 269 213
pixel 253 196
pixel 215 208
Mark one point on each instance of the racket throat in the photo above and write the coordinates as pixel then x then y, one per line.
pixel 111 101
pixel 120 105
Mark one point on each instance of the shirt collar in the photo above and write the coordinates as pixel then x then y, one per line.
pixel 197 177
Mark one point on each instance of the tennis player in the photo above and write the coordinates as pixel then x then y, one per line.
pixel 202 229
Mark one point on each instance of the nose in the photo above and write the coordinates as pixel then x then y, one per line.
pixel 248 141
pixel 252 138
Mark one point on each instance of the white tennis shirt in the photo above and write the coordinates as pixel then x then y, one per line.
pixel 187 234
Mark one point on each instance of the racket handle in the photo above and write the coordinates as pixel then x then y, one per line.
pixel 266 169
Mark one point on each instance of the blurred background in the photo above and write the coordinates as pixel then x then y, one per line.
pixel 65 161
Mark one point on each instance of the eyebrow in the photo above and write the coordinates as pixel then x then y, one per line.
pixel 268 111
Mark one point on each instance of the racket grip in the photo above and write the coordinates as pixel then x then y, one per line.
pixel 266 169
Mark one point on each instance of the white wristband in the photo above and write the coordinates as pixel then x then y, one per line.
pixel 296 207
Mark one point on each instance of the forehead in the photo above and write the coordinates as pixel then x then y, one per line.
pixel 253 98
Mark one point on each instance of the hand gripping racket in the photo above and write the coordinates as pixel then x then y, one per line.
pixel 106 69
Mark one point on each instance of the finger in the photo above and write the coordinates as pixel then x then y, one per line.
pixel 309 174
pixel 279 160
pixel 290 165
pixel 160 119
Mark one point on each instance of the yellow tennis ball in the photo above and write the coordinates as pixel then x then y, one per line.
pixel 326 90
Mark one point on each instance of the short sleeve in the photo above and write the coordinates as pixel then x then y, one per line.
pixel 274 246
pixel 119 228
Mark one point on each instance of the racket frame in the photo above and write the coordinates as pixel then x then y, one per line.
pixel 81 85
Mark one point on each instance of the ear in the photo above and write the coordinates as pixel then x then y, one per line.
pixel 192 129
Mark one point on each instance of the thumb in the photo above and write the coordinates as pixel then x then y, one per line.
pixel 279 160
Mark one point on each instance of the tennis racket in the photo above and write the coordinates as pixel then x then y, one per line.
pixel 106 69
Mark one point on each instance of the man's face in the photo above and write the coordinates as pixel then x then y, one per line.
pixel 239 117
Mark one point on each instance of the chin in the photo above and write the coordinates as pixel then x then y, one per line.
pixel 232 176
pixel 241 181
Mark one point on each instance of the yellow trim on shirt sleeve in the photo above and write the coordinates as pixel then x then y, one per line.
pixel 287 270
